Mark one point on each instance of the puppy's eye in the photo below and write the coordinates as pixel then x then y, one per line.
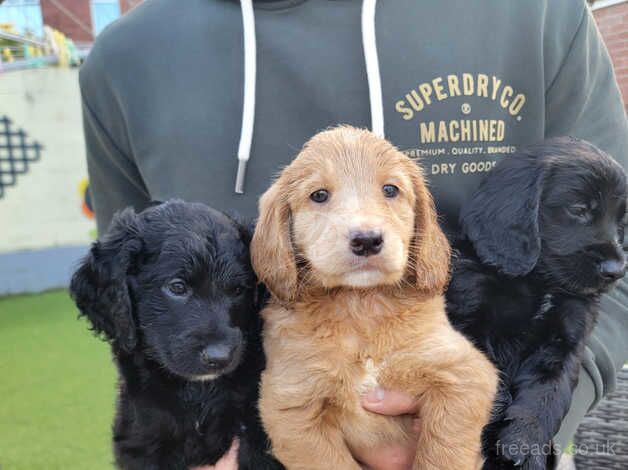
pixel 319 196
pixel 177 287
pixel 390 190
pixel 579 211
pixel 237 290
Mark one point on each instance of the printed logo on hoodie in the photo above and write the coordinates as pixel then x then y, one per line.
pixel 488 134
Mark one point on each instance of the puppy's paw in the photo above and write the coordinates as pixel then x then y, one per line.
pixel 532 463
pixel 520 443
pixel 535 462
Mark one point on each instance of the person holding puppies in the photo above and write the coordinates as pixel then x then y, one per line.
pixel 182 111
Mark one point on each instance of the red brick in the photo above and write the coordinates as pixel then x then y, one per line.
pixel 126 5
pixel 77 25
pixel 618 35
pixel 613 25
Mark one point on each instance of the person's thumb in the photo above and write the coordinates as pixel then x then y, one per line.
pixel 389 402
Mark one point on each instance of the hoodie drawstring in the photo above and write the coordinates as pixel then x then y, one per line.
pixel 248 107
pixel 369 45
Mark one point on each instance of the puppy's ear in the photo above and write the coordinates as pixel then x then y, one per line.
pixel 99 286
pixel 501 219
pixel 272 253
pixel 261 296
pixel 430 252
pixel 245 226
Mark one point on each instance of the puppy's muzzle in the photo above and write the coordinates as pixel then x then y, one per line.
pixel 366 243
pixel 612 270
pixel 219 356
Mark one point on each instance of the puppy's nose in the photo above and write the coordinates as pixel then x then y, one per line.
pixel 611 270
pixel 217 356
pixel 366 243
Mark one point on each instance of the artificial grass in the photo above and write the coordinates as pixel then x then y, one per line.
pixel 57 387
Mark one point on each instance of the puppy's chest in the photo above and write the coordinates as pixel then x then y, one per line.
pixel 355 360
pixel 343 349
pixel 359 369
pixel 363 365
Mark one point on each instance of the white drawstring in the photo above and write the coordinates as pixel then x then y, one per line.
pixel 369 44
pixel 248 111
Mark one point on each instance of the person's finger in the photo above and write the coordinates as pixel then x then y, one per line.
pixel 229 461
pixel 389 402
pixel 416 425
pixel 389 458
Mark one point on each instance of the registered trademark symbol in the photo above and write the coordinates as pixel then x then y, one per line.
pixel 519 118
pixel 466 108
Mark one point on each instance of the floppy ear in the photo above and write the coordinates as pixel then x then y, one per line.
pixel 245 225
pixel 99 286
pixel 430 248
pixel 501 219
pixel 272 253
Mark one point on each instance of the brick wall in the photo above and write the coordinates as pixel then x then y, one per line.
pixel 77 25
pixel 613 24
pixel 126 5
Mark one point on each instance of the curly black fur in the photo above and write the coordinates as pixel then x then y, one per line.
pixel 541 241
pixel 173 291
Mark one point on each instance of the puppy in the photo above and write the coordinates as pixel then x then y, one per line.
pixel 349 246
pixel 173 291
pixel 542 240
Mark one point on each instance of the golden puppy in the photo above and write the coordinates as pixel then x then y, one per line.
pixel 350 248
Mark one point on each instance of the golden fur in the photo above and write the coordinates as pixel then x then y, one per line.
pixel 339 324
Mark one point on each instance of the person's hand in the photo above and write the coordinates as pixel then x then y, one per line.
pixel 229 461
pixel 390 403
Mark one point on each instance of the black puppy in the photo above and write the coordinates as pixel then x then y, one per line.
pixel 173 291
pixel 541 241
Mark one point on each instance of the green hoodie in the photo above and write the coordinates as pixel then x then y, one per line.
pixel 455 83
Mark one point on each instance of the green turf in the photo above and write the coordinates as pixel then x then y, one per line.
pixel 57 387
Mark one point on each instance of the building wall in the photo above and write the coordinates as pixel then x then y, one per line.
pixel 44 230
pixel 77 25
pixel 82 20
pixel 126 5
pixel 613 24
